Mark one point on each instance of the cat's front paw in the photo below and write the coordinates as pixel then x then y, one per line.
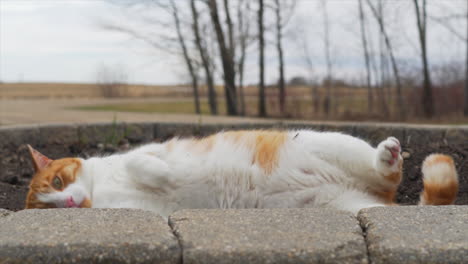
pixel 388 156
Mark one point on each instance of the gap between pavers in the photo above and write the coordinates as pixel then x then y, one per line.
pixel 269 236
pixel 203 236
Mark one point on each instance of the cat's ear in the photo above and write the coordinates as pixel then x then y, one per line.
pixel 40 161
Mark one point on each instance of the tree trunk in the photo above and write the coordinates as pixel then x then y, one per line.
pixel 229 28
pixel 279 47
pixel 243 27
pixel 261 86
pixel 380 95
pixel 370 97
pixel 465 111
pixel 427 99
pixel 227 61
pixel 327 103
pixel 399 103
pixel 212 100
pixel 187 59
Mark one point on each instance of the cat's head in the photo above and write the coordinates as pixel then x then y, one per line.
pixel 55 183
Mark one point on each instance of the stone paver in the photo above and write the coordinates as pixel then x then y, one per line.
pixel 412 234
pixel 85 236
pixel 269 236
pixel 4 212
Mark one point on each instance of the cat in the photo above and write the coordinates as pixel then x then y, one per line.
pixel 239 169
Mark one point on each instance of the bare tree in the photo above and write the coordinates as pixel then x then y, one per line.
pixel 283 12
pixel 261 47
pixel 188 60
pixel 379 19
pixel 230 28
pixel 421 19
pixel 326 39
pixel 163 42
pixel 243 19
pixel 110 80
pixel 444 21
pixel 303 45
pixel 226 59
pixel 279 47
pixel 365 49
pixel 206 63
pixel 465 108
pixel 379 74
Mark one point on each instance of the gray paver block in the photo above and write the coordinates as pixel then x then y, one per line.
pixel 269 236
pixel 416 234
pixel 86 236
pixel 4 212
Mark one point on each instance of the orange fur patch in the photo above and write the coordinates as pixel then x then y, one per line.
pixel 438 158
pixel 265 145
pixel 394 178
pixel 388 197
pixel 437 194
pixel 202 145
pixel 65 169
pixel 440 183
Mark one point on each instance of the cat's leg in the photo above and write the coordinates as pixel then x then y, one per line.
pixel 353 201
pixel 148 170
pixel 335 196
pixel 388 161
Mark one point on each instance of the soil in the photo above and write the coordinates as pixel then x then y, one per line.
pixel 16 169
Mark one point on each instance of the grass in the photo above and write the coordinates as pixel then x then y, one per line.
pixel 178 107
pixel 299 108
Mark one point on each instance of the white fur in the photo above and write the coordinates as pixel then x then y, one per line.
pixel 440 173
pixel 75 190
pixel 313 169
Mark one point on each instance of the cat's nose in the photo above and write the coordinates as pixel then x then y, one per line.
pixel 71 203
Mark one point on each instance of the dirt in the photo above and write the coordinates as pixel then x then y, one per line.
pixel 411 186
pixel 17 169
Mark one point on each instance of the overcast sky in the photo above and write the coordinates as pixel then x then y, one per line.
pixel 60 41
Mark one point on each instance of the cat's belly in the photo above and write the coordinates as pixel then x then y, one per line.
pixel 245 189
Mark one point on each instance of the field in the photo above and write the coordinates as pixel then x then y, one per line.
pixel 78 90
pixel 348 103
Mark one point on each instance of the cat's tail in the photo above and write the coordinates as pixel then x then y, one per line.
pixel 440 180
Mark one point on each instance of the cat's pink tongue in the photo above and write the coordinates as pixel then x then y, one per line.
pixel 71 203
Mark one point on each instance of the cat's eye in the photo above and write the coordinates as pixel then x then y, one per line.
pixel 57 183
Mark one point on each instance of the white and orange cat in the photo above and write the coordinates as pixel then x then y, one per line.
pixel 239 169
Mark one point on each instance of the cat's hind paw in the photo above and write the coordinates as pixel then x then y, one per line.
pixel 388 158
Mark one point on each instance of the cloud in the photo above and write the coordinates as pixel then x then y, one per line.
pixel 61 41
